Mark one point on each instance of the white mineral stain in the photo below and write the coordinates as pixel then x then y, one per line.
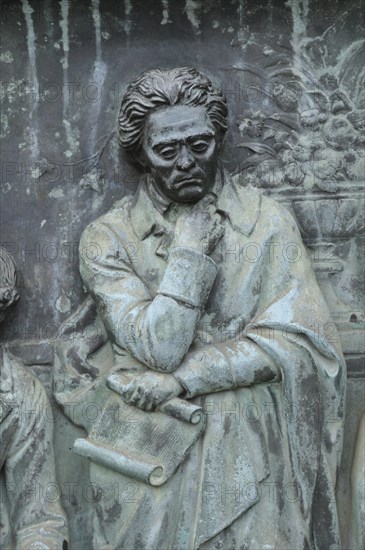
pixel 240 12
pixel 99 75
pixel 56 193
pixel 63 304
pixel 345 63
pixel 215 24
pixel 43 222
pixel 64 4
pixel 31 46
pixel 127 25
pixel 9 91
pixel 299 12
pixel 165 12
pixel 5 187
pixel 72 137
pixel 192 8
pixel 271 10
pixel 6 57
pixel 105 35
pixel 4 125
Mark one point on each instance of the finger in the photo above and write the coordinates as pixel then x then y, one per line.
pixel 145 401
pixel 150 406
pixel 207 199
pixel 126 391
pixel 141 404
pixel 134 398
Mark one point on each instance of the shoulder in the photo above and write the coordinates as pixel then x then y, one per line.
pixel 115 222
pixel 276 214
pixel 25 386
pixel 253 210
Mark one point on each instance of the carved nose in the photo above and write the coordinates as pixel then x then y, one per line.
pixel 185 160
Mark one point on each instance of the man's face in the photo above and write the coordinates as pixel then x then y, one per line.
pixel 180 148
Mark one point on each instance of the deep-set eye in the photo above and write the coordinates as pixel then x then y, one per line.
pixel 199 146
pixel 167 152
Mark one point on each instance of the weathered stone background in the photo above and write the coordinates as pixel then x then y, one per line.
pixel 293 73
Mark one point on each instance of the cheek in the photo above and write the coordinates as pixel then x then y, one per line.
pixel 210 155
pixel 158 165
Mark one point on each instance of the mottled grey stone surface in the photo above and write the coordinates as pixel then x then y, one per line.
pixel 292 74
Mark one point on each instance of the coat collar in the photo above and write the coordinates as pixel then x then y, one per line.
pixel 241 205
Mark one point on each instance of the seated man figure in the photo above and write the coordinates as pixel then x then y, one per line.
pixel 195 278
pixel 30 517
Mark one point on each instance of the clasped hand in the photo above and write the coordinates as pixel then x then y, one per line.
pixel 201 228
pixel 150 389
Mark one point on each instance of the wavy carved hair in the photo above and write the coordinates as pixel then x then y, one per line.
pixel 156 88
pixel 8 277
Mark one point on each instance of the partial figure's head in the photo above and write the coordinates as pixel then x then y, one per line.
pixel 8 292
pixel 173 123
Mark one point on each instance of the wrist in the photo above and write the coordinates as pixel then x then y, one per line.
pixel 188 277
pixel 191 243
pixel 176 387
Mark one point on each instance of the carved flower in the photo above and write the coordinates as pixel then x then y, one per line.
pixel 354 165
pixel 301 152
pixel 252 124
pixel 339 133
pixel 312 119
pixel 327 164
pixel 329 82
pixel 357 119
pixel 286 96
pixel 294 173
pixel 281 140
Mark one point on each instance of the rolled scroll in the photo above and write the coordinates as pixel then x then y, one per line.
pixel 145 446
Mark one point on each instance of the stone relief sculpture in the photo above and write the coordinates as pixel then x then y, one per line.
pixel 204 344
pixel 356 533
pixel 30 516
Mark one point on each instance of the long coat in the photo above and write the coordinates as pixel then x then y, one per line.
pixel 248 335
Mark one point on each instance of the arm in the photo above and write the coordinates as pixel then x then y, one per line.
pixel 289 307
pixel 235 363
pixel 157 331
pixel 211 369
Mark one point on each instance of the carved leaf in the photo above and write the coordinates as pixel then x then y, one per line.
pixel 259 148
pixel 269 133
pixel 286 120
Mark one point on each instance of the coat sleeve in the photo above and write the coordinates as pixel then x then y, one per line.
pixel 157 331
pixel 290 305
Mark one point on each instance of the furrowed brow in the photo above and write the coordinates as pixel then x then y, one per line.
pixel 174 141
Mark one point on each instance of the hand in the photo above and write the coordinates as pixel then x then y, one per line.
pixel 148 390
pixel 200 229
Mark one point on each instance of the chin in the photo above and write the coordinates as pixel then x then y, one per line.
pixel 190 196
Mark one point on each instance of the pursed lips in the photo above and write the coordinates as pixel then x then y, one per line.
pixel 186 181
